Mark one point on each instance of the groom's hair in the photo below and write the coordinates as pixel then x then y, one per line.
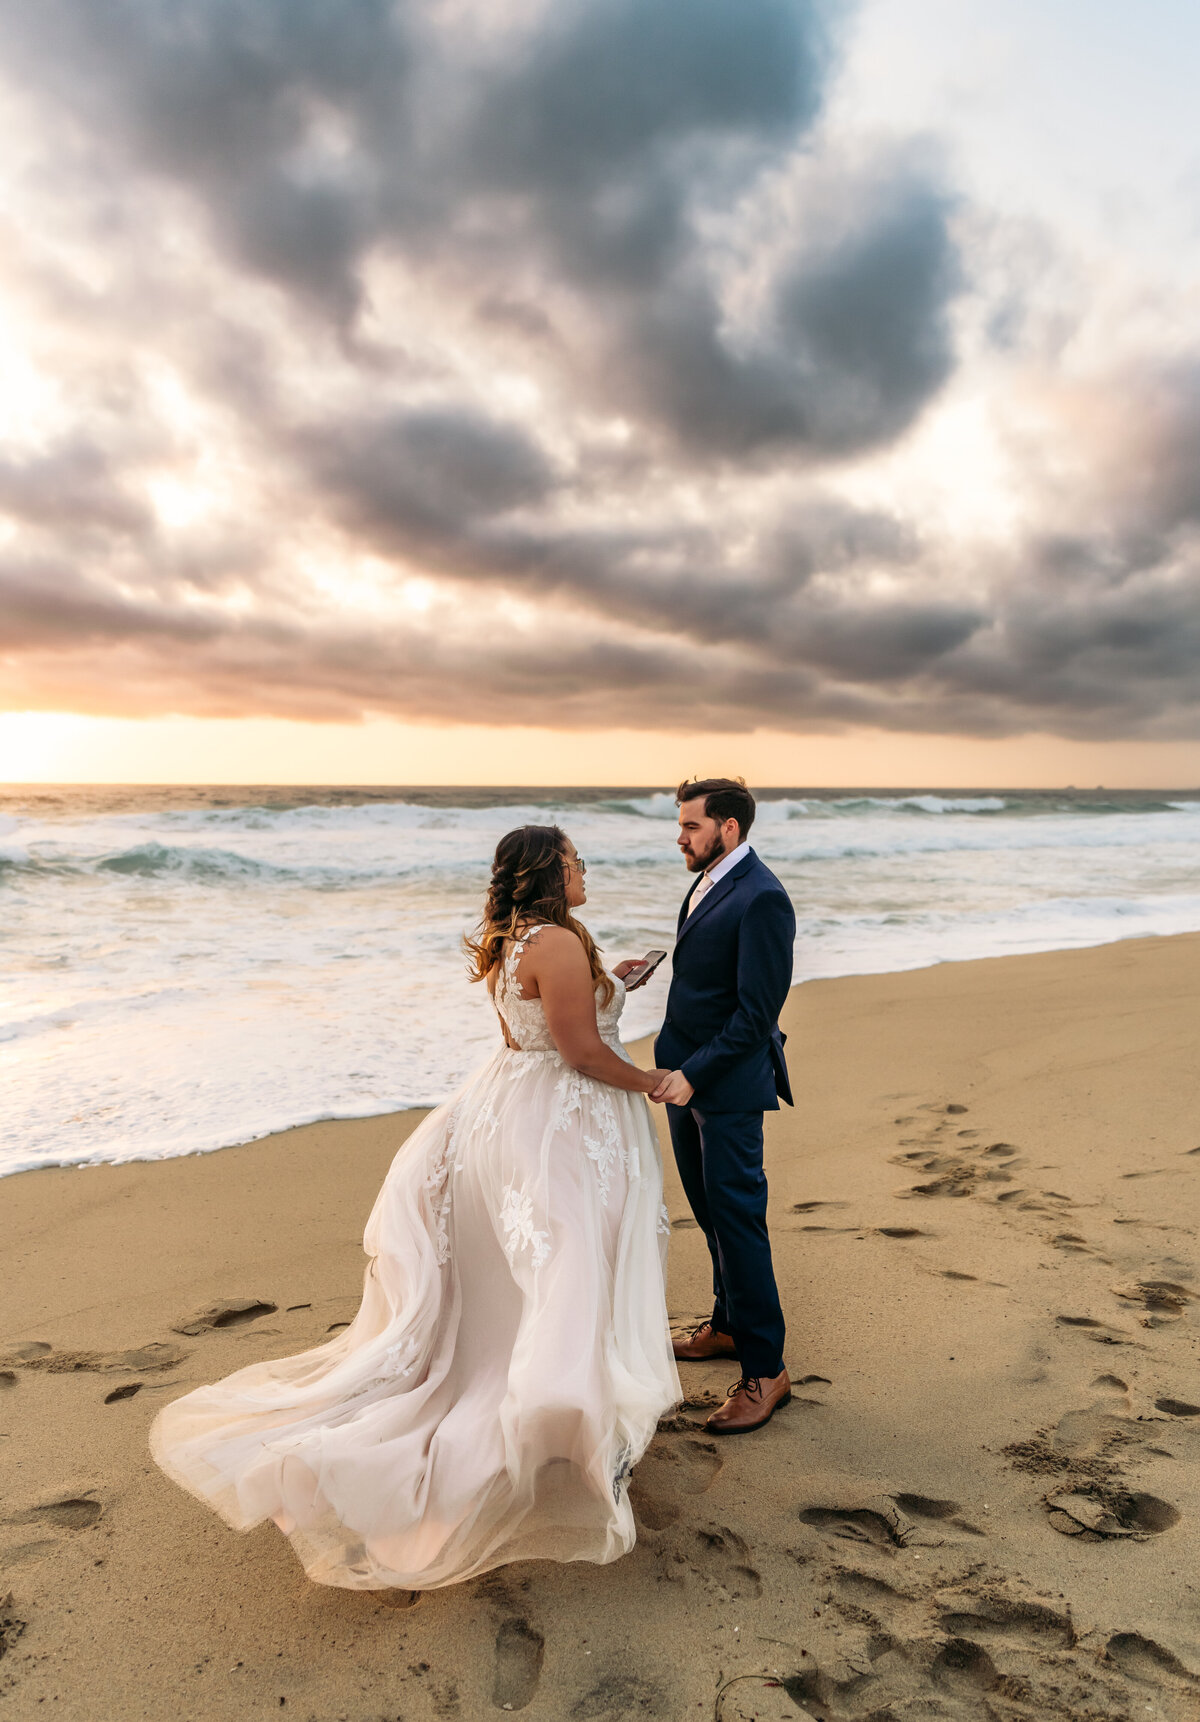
pixel 724 798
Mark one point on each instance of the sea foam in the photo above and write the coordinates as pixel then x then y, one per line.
pixel 185 969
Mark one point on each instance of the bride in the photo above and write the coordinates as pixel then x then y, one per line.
pixel 511 1356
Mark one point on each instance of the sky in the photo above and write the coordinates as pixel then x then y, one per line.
pixel 599 391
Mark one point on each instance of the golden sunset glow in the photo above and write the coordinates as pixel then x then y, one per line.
pixel 44 747
pixel 833 422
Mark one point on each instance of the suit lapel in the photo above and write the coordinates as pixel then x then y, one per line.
pixel 719 891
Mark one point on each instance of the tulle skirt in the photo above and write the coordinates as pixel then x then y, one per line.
pixel 506 1368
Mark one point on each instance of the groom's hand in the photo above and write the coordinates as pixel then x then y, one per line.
pixel 675 1091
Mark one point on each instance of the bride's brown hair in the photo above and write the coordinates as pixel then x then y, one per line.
pixel 529 887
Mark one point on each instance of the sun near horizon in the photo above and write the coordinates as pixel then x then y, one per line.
pixel 71 748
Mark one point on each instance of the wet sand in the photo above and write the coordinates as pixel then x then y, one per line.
pixel 982 1502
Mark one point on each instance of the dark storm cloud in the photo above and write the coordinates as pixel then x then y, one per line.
pixel 228 97
pixel 590 146
pixel 597 84
pixel 438 486
pixel 430 471
pixel 584 317
pixel 854 339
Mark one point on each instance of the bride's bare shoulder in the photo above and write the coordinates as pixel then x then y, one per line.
pixel 548 937
pixel 553 944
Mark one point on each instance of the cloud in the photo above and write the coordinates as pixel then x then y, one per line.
pixel 428 472
pixel 390 356
pixel 70 488
pixel 242 102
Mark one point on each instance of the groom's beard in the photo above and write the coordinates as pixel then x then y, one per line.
pixel 698 863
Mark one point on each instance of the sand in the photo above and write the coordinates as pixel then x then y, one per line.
pixel 982 1502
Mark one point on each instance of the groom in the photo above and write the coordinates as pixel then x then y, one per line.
pixel 720 1038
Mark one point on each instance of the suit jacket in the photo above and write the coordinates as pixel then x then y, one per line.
pixel 732 967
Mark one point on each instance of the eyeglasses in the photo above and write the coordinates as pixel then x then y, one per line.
pixel 578 862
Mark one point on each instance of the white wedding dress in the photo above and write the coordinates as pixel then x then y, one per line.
pixel 510 1358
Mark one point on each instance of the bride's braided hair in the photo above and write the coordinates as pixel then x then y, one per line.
pixel 529 888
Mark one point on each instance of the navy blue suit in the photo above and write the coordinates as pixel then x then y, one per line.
pixel 732 967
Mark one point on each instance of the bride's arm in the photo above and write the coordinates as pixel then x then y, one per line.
pixel 557 965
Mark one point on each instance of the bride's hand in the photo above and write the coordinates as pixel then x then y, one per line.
pixel 660 1077
pixel 623 968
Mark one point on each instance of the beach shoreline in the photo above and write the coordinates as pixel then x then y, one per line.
pixel 639 1047
pixel 984 1219
pixel 281 960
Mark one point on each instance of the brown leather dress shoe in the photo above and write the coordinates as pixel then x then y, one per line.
pixel 702 1342
pixel 752 1402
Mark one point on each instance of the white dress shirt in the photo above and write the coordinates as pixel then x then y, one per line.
pixel 712 875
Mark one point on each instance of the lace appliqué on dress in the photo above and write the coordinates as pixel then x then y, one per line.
pixel 401 1359
pixel 437 1183
pixel 516 1217
pixel 606 1151
pixel 568 1093
pixel 664 1221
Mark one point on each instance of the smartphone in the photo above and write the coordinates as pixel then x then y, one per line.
pixel 644 969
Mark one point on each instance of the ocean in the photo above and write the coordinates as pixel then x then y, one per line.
pixel 186 968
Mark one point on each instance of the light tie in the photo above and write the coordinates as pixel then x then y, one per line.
pixel 705 884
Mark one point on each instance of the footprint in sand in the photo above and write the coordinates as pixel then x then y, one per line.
pixel 1177 1408
pixel 901 1232
pixel 1074 1244
pixel 8 1378
pixel 1149 1663
pixel 757 1698
pixel 519 1652
pixel 956 1183
pixel 157 1355
pixel 125 1392
pixel 619 1696
pixel 892 1522
pixel 73 1513
pixel 811 1207
pixel 1099 1512
pixel 232 1312
pixel 924 1159
pixel 1164 1300
pixel 886 1531
pixel 1097 1331
pixel 671 1470
pixel 928 1507
pixel 685 1224
pixel 722 1559
pixel 1008 1619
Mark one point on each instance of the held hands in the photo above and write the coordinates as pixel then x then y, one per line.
pixel 674 1088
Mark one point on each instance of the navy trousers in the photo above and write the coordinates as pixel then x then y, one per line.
pixel 720 1161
